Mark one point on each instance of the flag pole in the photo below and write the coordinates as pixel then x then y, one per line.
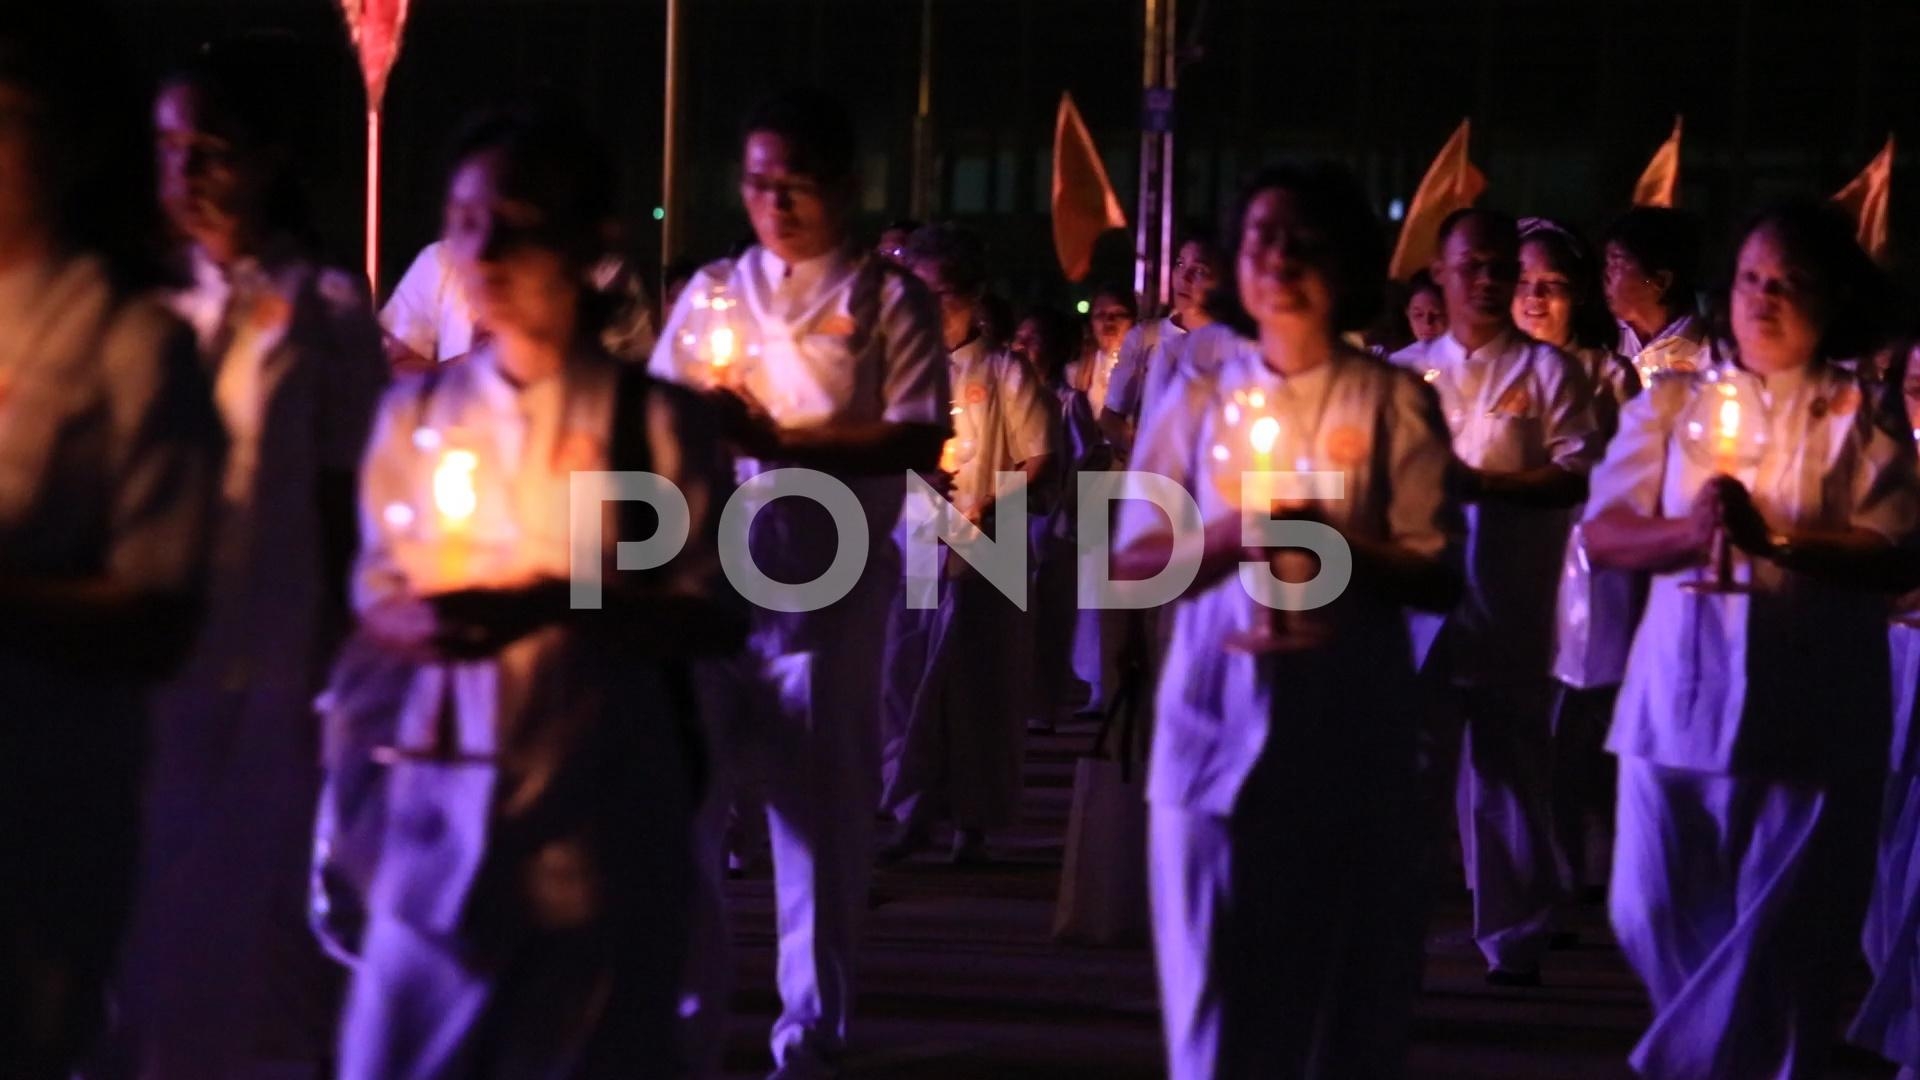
pixel 373 201
pixel 670 135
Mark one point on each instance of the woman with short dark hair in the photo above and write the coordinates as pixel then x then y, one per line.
pixel 530 906
pixel 1284 825
pixel 1751 730
pixel 1650 262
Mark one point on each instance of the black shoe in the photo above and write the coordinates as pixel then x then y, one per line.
pixel 1528 978
pixel 1562 940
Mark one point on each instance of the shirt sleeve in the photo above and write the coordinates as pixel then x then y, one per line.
pixel 1572 441
pixel 1164 447
pixel 166 448
pixel 1634 470
pixel 1129 374
pixel 353 372
pixel 412 314
pixel 915 388
pixel 1029 422
pixel 1420 516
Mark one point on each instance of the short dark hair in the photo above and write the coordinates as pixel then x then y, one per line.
pixel 1193 231
pixel 1504 227
pixel 1422 281
pixel 957 249
pixel 1662 239
pixel 551 159
pixel 1116 291
pixel 1853 295
pixel 817 128
pixel 1355 258
pixel 1060 337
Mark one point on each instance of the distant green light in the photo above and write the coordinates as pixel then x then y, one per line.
pixel 659 213
pixel 1083 307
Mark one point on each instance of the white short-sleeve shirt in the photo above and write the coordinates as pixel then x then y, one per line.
pixel 1514 404
pixel 1790 680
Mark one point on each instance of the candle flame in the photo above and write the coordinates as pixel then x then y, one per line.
pixel 721 344
pixel 1729 418
pixel 1263 434
pixel 454 493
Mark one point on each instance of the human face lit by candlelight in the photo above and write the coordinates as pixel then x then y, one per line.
pixel 1110 320
pixel 1280 266
pixel 1777 314
pixel 1543 301
pixel 795 215
pixel 1426 315
pixel 1195 277
pixel 958 310
pixel 516 278
pixel 212 181
pixel 1476 270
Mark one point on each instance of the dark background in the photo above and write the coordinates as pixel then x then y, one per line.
pixel 1568 100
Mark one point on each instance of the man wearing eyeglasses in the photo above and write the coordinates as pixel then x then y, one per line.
pixel 850 380
pixel 1523 440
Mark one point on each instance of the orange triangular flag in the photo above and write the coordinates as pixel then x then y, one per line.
pixel 1866 199
pixel 375 26
pixel 1084 205
pixel 1661 180
pixel 1451 183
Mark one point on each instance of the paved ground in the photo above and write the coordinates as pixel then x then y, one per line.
pixel 961 980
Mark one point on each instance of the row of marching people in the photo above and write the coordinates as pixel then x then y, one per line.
pixel 1541 536
pixel 545 685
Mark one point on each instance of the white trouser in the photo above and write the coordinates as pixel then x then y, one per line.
pixel 1889 1020
pixel 812 715
pixel 1736 900
pixel 1505 816
pixel 1287 936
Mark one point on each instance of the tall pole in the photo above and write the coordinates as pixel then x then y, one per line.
pixel 918 200
pixel 670 152
pixel 1146 277
pixel 373 201
pixel 1169 81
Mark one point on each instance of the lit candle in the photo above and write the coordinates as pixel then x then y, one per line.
pixel 456 497
pixel 1726 436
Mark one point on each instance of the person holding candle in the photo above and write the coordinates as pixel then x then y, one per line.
pixel 1886 1020
pixel 528 914
pixel 1045 341
pixel 1651 260
pixel 1558 302
pixel 1283 828
pixel 1112 313
pixel 295 357
pixel 852 380
pixel 110 454
pixel 1426 310
pixel 1523 437
pixel 1151 353
pixel 959 750
pixel 1751 730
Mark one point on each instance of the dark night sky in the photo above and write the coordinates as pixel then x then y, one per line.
pixel 1568 99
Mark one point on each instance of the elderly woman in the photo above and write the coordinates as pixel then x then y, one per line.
pixel 1283 822
pixel 1751 729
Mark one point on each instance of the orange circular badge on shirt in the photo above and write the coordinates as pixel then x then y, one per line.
pixel 1346 446
pixel 578 453
pixel 1847 401
pixel 976 394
